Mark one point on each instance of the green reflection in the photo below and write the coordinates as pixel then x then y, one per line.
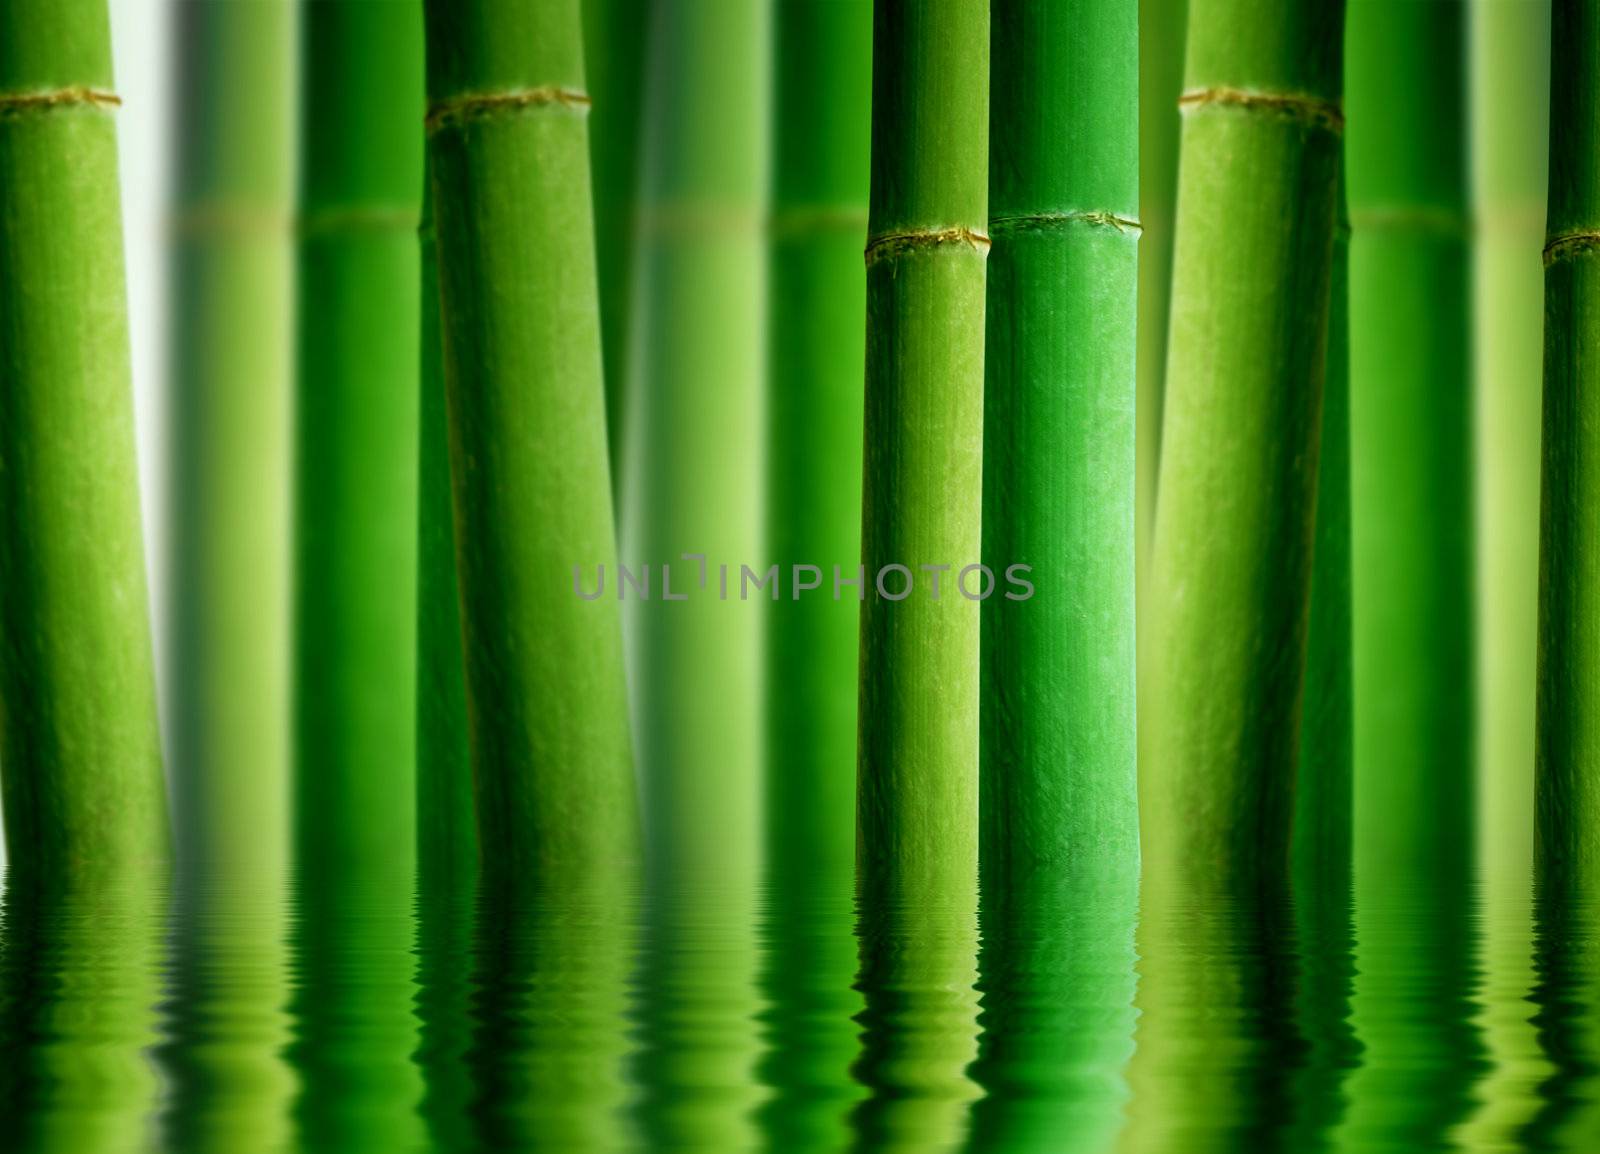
pixel 80 980
pixel 552 1027
pixel 1058 982
pixel 919 1028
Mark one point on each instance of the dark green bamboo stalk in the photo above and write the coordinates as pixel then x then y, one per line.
pixel 80 755
pixel 614 62
pixel 509 153
pixel 819 224
pixel 356 498
pixel 1231 566
pixel 917 801
pixel 1411 444
pixel 447 830
pixel 822 152
pixel 1568 800
pixel 356 573
pixel 1322 800
pixel 1161 34
pixel 232 359
pixel 1058 735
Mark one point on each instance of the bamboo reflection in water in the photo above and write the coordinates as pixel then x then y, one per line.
pixel 80 981
pixel 919 1029
pixel 1058 975
pixel 550 1010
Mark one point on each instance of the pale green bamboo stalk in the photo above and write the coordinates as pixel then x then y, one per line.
pixel 509 154
pixel 1567 801
pixel 1224 642
pixel 1510 93
pixel 233 308
pixel 917 800
pixel 693 480
pixel 698 359
pixel 80 744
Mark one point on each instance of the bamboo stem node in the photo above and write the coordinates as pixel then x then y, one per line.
pixel 1570 245
pixel 892 244
pixel 815 219
pixel 1437 221
pixel 457 110
pixel 1312 111
pixel 362 218
pixel 1038 221
pixel 51 99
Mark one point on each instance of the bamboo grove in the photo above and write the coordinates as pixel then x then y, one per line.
pixel 662 443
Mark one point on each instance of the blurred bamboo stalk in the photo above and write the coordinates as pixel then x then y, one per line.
pixel 80 742
pixel 822 121
pixel 614 62
pixel 1510 93
pixel 694 475
pixel 1059 742
pixel 917 801
pixel 1231 566
pixel 1568 788
pixel 232 358
pixel 509 154
pixel 356 458
pixel 1411 444
pixel 821 164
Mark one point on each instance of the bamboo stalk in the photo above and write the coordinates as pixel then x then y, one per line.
pixel 356 512
pixel 356 470
pixel 1230 570
pixel 917 800
pixel 1510 94
pixel 614 61
pixel 232 382
pixel 80 755
pixel 1059 743
pixel 1161 35
pixel 1411 445
pixel 1567 800
pixel 447 830
pixel 521 335
pixel 819 223
pixel 700 342
pixel 694 485
pixel 822 153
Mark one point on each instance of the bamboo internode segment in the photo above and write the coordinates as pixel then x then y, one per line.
pixel 896 243
pixel 1571 245
pixel 49 99
pixel 456 110
pixel 1312 110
